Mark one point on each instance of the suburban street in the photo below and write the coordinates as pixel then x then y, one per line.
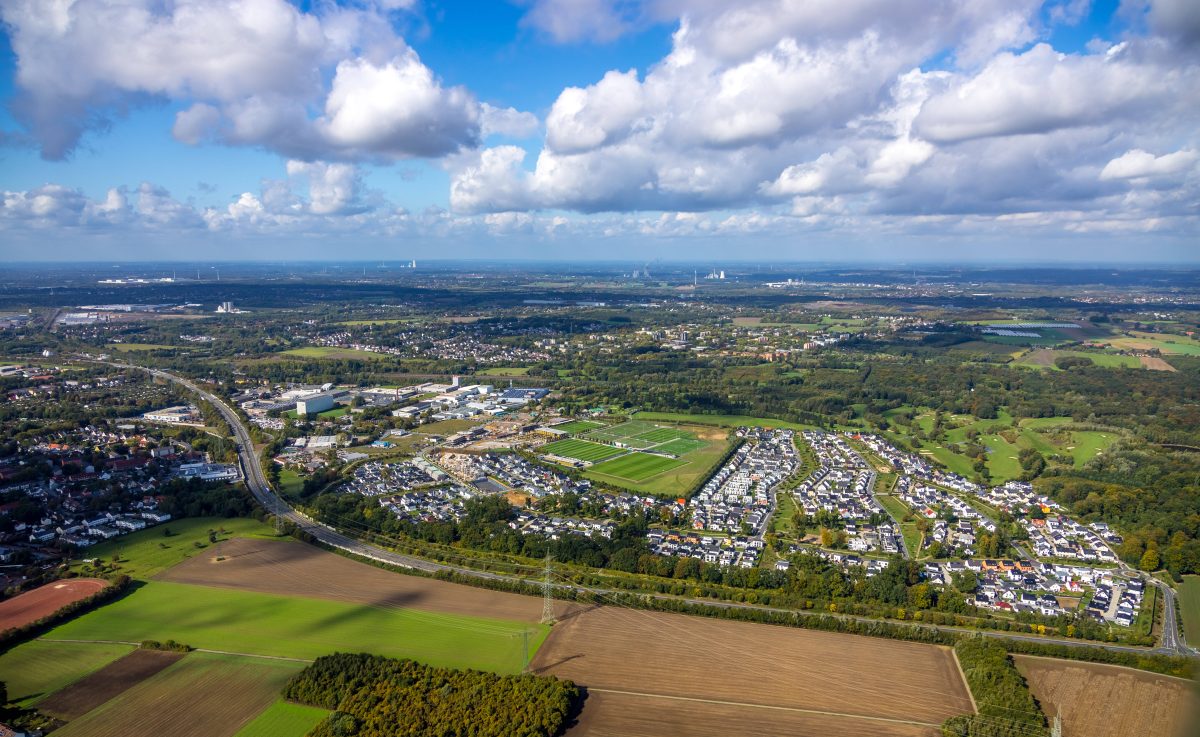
pixel 1172 643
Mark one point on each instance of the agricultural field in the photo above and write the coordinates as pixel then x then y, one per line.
pixel 504 371
pixel 46 599
pixel 145 553
pixel 582 450
pixel 299 627
pixel 1044 358
pixel 1167 344
pixel 1095 700
pixel 1189 608
pixel 304 570
pixel 35 669
pixel 637 466
pixel 203 695
pixel 284 719
pixel 141 347
pixel 698 676
pixel 110 681
pixel 323 351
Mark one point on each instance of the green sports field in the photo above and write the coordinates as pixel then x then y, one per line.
pixel 36 669
pixel 581 450
pixel 297 627
pixel 577 426
pixel 680 446
pixel 636 466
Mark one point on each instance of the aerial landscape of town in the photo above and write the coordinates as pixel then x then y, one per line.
pixel 599 368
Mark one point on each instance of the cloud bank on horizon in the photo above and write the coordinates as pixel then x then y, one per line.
pixel 803 120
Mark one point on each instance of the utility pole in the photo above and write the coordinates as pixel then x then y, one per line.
pixel 547 599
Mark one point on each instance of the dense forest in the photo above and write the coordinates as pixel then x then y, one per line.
pixel 374 696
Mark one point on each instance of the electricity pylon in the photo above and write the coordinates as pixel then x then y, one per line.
pixel 547 599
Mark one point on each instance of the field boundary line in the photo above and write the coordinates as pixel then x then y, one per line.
pixel 194 650
pixel 962 674
pixel 798 709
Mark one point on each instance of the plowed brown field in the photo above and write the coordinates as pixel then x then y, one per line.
pixel 293 568
pixel 1096 700
pixel 46 600
pixel 86 694
pixel 678 675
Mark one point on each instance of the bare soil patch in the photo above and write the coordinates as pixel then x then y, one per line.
pixel 1155 363
pixel 296 569
pixel 725 673
pixel 620 715
pixel 113 679
pixel 46 600
pixel 1096 700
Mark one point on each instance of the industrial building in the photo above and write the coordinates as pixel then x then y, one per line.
pixel 315 403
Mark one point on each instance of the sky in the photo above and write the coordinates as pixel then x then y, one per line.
pixel 1063 131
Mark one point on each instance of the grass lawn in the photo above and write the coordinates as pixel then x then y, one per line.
pixel 677 481
pixel 35 669
pixel 201 694
pixel 581 449
pixel 290 482
pixel 680 446
pixel 329 414
pixel 297 627
pixel 1038 359
pixel 326 351
pixel 908 530
pixel 1189 607
pixel 720 420
pixel 636 466
pixel 284 719
pixel 147 552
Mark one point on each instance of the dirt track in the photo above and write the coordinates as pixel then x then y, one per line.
pixel 46 600
pixel 682 675
pixel 292 568
pixel 87 693
pixel 1097 700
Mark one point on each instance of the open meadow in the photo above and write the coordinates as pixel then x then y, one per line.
pixel 698 676
pixel 1095 700
pixel 1189 609
pixel 284 719
pixel 301 627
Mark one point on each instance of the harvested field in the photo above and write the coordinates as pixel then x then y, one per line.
pixel 695 675
pixel 202 695
pixel 607 714
pixel 1155 364
pixel 46 600
pixel 113 679
pixel 1097 700
pixel 296 569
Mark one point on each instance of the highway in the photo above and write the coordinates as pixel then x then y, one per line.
pixel 256 481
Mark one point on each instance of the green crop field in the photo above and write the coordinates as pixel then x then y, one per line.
pixel 202 694
pixel 297 627
pixel 578 426
pixel 636 466
pixel 325 351
pixel 36 669
pixel 284 719
pixel 719 420
pixel 147 552
pixel 1189 608
pixel 504 371
pixel 140 347
pixel 581 450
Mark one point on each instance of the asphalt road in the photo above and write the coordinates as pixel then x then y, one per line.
pixel 256 481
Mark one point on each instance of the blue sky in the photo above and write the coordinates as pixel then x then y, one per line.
pixel 1020 129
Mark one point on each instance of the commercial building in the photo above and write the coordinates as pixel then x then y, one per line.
pixel 315 403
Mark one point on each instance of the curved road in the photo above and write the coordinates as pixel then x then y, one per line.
pixel 256 481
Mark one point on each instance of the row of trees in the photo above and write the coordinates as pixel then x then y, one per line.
pixel 374 696
pixel 1005 708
